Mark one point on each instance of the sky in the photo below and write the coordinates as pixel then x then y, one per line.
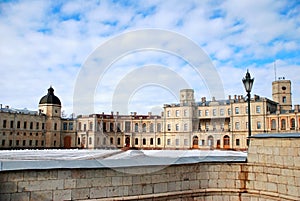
pixel 48 43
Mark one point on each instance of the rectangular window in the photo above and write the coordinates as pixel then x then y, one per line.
pixel 168 141
pixel 168 113
pixel 3 142
pixel 229 111
pixel 55 126
pixel 11 124
pixel 185 113
pixel 70 126
pixel 90 140
pixel 25 125
pixel 206 112
pixel 18 124
pixel 246 125
pixel 65 126
pixel 237 125
pixel 185 127
pixel 177 142
pixel 17 142
pixel 177 127
pixel 43 126
pixel 4 123
pixel 169 127
pixel 200 113
pixel 177 113
pixel 258 125
pixel 31 125
pixel 36 143
pixel 186 143
pixel 10 143
pixel 127 126
pixel 246 108
pixel 214 112
pixel 84 127
pixel 214 126
pixel 258 109
pixel 206 126
pixel 30 142
pixel 37 125
pixel 221 112
pixel 91 126
pixel 237 110
pixel 237 142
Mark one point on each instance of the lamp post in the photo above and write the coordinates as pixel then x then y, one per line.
pixel 248 83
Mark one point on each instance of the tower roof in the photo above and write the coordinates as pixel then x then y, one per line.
pixel 50 98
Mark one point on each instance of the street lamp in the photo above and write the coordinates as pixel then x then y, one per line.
pixel 248 83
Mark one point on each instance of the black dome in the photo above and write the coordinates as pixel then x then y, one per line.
pixel 50 98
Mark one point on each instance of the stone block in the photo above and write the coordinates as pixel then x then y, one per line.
pixel 30 175
pixel 178 185
pixel 64 174
pixel 98 192
pixel 148 189
pixel 62 195
pixel 8 187
pixel 160 187
pixel 41 195
pixel 293 190
pixel 116 181
pixel 101 181
pixel 204 183
pixel 135 190
pixel 212 183
pixel 230 183
pixel 5 197
pixel 146 179
pixel 114 191
pixel 281 188
pixel 272 178
pixel 3 177
pixel 171 186
pixel 288 161
pixel 296 161
pixel 15 176
pixel 78 174
pixel 278 160
pixel 261 177
pixel 194 184
pixel 127 180
pixel 24 196
pixel 271 187
pixel 69 183
pixel 80 193
pixel 83 183
pixel 47 174
pixel 202 175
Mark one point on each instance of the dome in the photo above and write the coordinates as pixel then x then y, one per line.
pixel 50 98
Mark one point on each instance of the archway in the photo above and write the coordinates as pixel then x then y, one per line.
pixel 127 141
pixel 226 142
pixel 195 142
pixel 218 144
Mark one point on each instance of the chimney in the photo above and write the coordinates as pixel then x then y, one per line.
pixel 134 113
pixel 234 97
pixel 213 98
pixel 117 113
pixel 239 98
pixel 229 97
pixel 149 114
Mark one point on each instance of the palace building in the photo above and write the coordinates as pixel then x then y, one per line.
pixel 204 124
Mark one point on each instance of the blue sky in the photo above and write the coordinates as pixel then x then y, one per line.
pixel 45 43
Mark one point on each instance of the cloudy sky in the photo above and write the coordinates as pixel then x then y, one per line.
pixel 47 43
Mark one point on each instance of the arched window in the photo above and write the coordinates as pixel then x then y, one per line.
pixel 226 142
pixel 119 141
pixel 111 140
pixel 293 125
pixel 144 141
pixel 151 128
pixel 151 141
pixel 136 141
pixel 273 124
pixel 158 141
pixel 283 124
pixel 210 141
pixel 136 127
pixel 144 127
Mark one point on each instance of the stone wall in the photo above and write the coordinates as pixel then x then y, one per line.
pixel 262 178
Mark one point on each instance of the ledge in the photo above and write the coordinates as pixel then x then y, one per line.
pixel 277 135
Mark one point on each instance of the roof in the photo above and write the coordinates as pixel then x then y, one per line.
pixel 50 98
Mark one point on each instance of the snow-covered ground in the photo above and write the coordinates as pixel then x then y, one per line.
pixel 74 154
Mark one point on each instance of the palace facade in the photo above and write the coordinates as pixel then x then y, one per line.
pixel 207 124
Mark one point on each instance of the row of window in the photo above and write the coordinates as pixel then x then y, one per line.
pixel 177 128
pixel 24 134
pixel 283 125
pixel 11 124
pixel 237 125
pixel 68 126
pixel 222 112
pixel 177 113
pixel 25 143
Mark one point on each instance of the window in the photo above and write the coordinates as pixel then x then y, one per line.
pixel 169 127
pixel 31 125
pixel 70 125
pixel 293 124
pixel 111 126
pixel 168 113
pixel 229 111
pixel 84 127
pixel 273 124
pixel 30 142
pixel 151 127
pixel 237 110
pixel 206 112
pixel 221 112
pixel 17 142
pixel 258 109
pixel 237 142
pixel 186 142
pixel 246 125
pixel 54 143
pixel 119 141
pixel 185 127
pixel 214 126
pixel 91 126
pixel 42 143
pixel 43 126
pixel 214 112
pixel 246 109
pixel 200 113
pixel 258 125
pixel 158 141
pixel 111 140
pixel 25 125
pixel 283 124
pixel 151 141
pixel 10 142
pixel 36 143
pixel 158 127
pixel 202 142
pixel 18 124
pixel 206 126
pixel 11 124
pixel 144 141
pixel 4 123
pixel 144 127
pixel 78 140
pixel 177 113
pixel 168 141
pixel 222 126
pixel 136 127
pixel 284 99
pixel 55 126
pixel 177 142
pixel 136 141
pixel 127 126
pixel 177 127
pixel 3 142
pixel 65 126
pixel 237 125
pixel 185 113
